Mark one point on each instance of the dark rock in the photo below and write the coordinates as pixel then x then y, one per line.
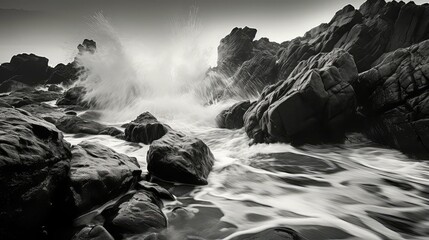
pixel 27 96
pixel 44 111
pixel 313 105
pixel 232 118
pixel 34 168
pixel 55 88
pixel 145 129
pixel 140 213
pixel 73 96
pixel 278 233
pixel 87 46
pixel 64 74
pixel 32 68
pixel 395 99
pixel 93 233
pixel 179 158
pixel 11 85
pixel 155 189
pixel 234 49
pixel 98 174
pixel 264 44
pixel 75 124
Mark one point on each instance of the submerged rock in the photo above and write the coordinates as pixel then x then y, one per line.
pixel 179 158
pixel 98 174
pixel 395 99
pixel 313 105
pixel 232 118
pixel 34 168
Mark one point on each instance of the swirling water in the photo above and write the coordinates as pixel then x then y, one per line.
pixel 355 190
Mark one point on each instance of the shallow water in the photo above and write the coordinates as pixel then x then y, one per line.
pixel 356 190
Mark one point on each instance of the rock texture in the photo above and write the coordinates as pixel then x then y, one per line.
pixel 34 168
pixel 232 118
pixel 93 233
pixel 75 124
pixel 145 129
pixel 98 174
pixel 27 96
pixel 394 97
pixel 31 68
pixel 278 233
pixel 73 96
pixel 313 105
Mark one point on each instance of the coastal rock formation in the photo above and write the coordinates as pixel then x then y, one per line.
pixel 44 111
pixel 395 99
pixel 179 158
pixel 33 69
pixel 34 168
pixel 12 84
pixel 73 96
pixel 75 124
pixel 313 105
pixel 232 118
pixel 98 174
pixel 145 129
pixel 27 96
pixel 93 233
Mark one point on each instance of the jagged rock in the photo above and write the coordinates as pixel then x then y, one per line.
pixel 139 213
pixel 75 124
pixel 55 88
pixel 178 158
pixel 87 46
pixel 64 74
pixel 27 96
pixel 264 44
pixel 395 99
pixel 73 96
pixel 232 118
pixel 234 49
pixel 155 189
pixel 93 233
pixel 313 105
pixel 278 233
pixel 44 111
pixel 12 84
pixel 145 129
pixel 32 68
pixel 98 174
pixel 34 168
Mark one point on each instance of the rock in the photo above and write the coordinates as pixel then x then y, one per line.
pixel 27 96
pixel 87 46
pixel 64 74
pixel 99 174
pixel 11 85
pixel 155 189
pixel 264 44
pixel 32 68
pixel 278 233
pixel 34 168
pixel 93 233
pixel 140 213
pixel 395 100
pixel 313 105
pixel 234 49
pixel 73 96
pixel 44 111
pixel 179 158
pixel 232 118
pixel 145 129
pixel 54 88
pixel 75 124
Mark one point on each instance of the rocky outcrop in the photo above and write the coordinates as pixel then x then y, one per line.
pixel 98 174
pixel 313 105
pixel 136 213
pixel 73 96
pixel 12 84
pixel 27 96
pixel 44 111
pixel 278 233
pixel 232 118
pixel 32 69
pixel 76 124
pixel 394 97
pixel 34 168
pixel 145 129
pixel 93 233
pixel 179 158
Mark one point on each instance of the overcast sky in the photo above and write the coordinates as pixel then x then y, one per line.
pixel 56 27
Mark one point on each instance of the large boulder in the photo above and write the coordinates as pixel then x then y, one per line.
pixel 76 124
pixel 232 117
pixel 73 96
pixel 99 174
pixel 136 213
pixel 32 68
pixel 179 158
pixel 315 103
pixel 64 74
pixel 34 169
pixel 395 99
pixel 145 129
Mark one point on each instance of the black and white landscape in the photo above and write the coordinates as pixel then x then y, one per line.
pixel 142 131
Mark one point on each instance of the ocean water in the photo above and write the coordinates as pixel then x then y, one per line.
pixel 355 190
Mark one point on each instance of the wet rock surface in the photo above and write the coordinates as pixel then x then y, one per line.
pixel 76 124
pixel 232 118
